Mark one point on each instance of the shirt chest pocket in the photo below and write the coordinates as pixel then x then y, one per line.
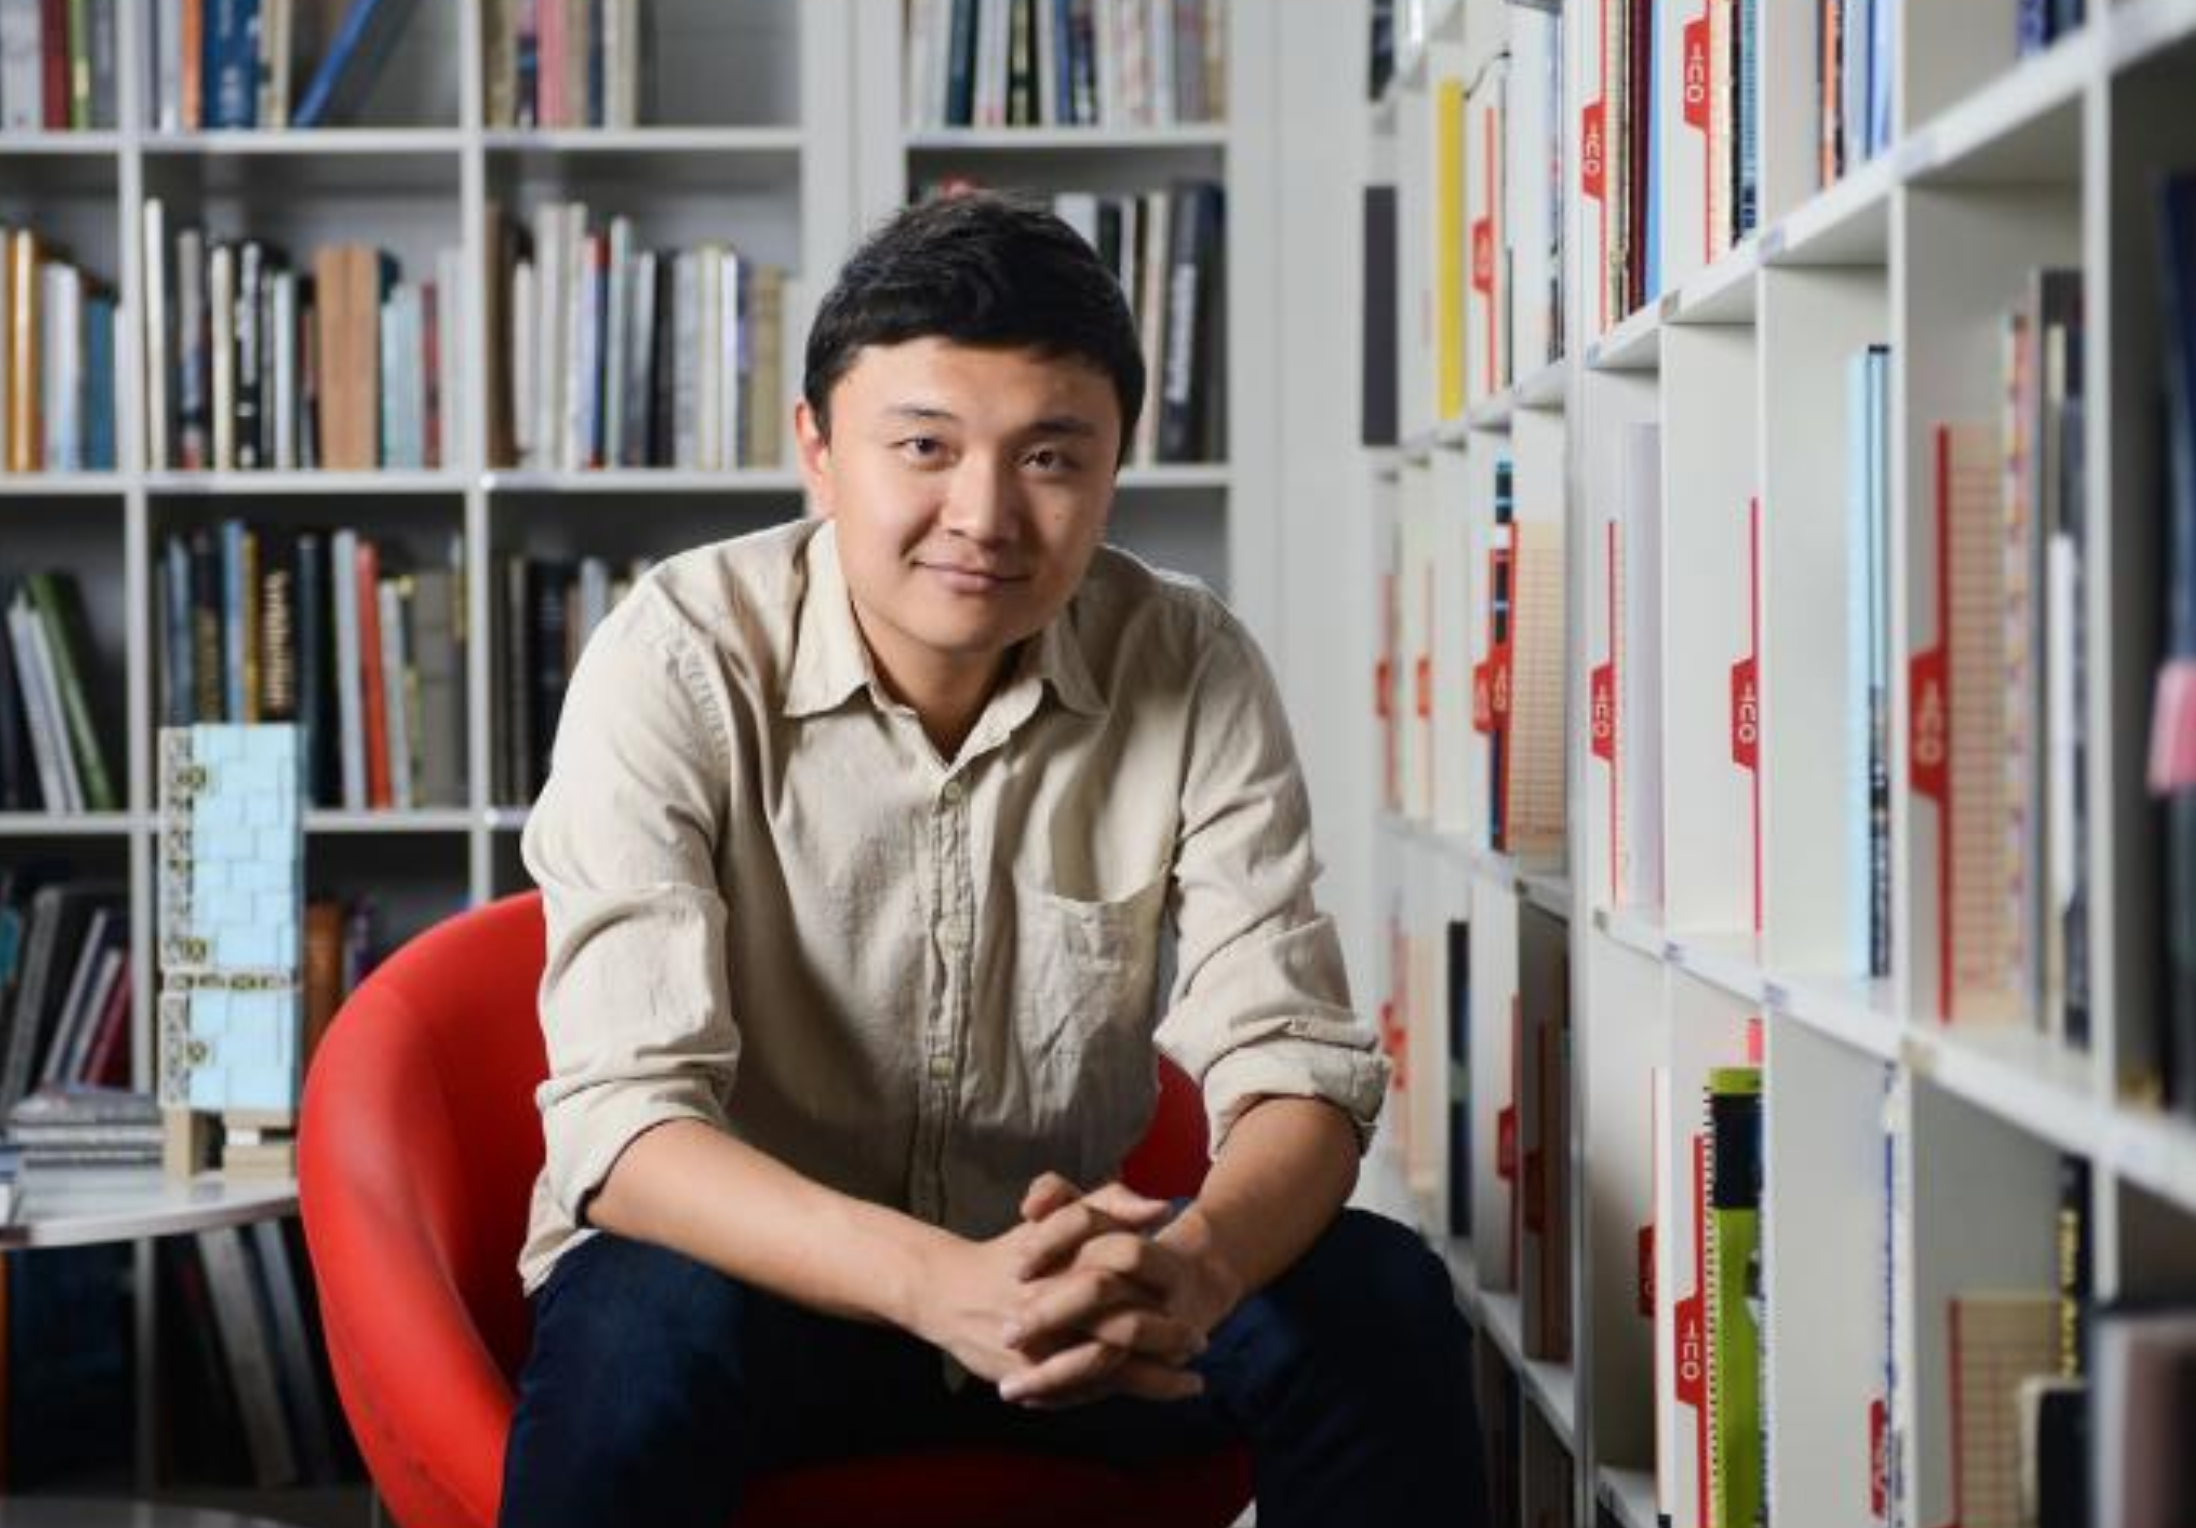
pixel 1083 976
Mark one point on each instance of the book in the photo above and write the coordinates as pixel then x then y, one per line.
pixel 337 91
pixel 1736 1323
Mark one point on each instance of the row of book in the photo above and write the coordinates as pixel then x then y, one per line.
pixel 549 607
pixel 338 632
pixel 605 354
pixel 1065 63
pixel 57 369
pixel 57 65
pixel 1998 688
pixel 252 363
pixel 1854 48
pixel 1486 261
pixel 1468 688
pixel 64 983
pixel 562 63
pixel 53 754
pixel 233 63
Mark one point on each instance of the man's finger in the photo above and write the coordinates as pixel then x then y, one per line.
pixel 1057 1384
pixel 1120 1202
pixel 1067 1370
pixel 1066 1306
pixel 1047 1193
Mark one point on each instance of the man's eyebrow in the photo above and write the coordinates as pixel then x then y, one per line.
pixel 1051 424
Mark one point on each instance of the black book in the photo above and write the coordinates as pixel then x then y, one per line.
pixel 1188 357
pixel 2173 740
pixel 251 284
pixel 317 739
pixel 18 775
pixel 1377 397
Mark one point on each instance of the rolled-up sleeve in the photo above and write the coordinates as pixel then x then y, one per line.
pixel 1261 1003
pixel 634 1002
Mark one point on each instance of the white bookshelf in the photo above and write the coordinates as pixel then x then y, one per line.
pixel 1998 164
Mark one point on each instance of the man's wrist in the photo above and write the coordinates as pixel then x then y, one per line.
pixel 912 1251
pixel 1192 1236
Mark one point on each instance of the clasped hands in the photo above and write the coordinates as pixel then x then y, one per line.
pixel 1093 1294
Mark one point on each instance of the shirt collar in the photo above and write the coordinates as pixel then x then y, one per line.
pixel 831 662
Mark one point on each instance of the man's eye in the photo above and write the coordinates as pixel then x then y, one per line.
pixel 1050 459
pixel 922 448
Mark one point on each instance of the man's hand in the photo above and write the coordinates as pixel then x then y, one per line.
pixel 1103 1299
pixel 968 1303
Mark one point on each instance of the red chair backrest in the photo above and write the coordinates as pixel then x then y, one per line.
pixel 419 1146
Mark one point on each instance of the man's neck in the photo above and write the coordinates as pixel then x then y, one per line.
pixel 947 698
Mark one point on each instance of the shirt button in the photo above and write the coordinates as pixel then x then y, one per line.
pixel 941 1067
pixel 951 792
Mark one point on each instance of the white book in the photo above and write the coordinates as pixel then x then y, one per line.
pixel 22 78
pixel 922 63
pixel 221 340
pixel 159 355
pixel 50 749
pixel 709 332
pixel 1079 210
pixel 582 339
pixel 167 66
pixel 618 341
pixel 994 21
pixel 61 1040
pixel 395 691
pixel 349 669
pixel 1160 62
pixel 450 350
pixel 1639 677
pixel 525 388
pixel 1151 312
pixel 390 405
pixel 551 362
pixel 274 63
pixel 282 319
pixel 61 365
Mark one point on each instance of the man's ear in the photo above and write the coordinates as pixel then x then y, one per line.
pixel 815 449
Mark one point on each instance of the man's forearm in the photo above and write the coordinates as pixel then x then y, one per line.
pixel 1280 1179
pixel 690 1187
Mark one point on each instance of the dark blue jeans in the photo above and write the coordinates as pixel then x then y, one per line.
pixel 657 1386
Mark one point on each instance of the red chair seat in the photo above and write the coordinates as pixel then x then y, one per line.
pixel 418 1149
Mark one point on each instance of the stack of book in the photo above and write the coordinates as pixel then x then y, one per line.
pixel 85 1125
pixel 562 63
pixel 52 754
pixel 1065 63
pixel 330 629
pixel 604 354
pixel 57 65
pixel 254 363
pixel 57 349
pixel 232 63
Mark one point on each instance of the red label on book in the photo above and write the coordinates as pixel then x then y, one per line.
pixel 1696 72
pixel 1425 687
pixel 1602 719
pixel 1745 715
pixel 1879 1459
pixel 1383 689
pixel 1483 256
pixel 1506 1144
pixel 1646 1283
pixel 1536 1174
pixel 1592 151
pixel 1930 733
pixel 1498 685
pixel 1482 698
pixel 1692 1354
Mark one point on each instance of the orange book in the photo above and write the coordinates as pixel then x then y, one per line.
pixel 24 426
pixel 370 676
pixel 193 33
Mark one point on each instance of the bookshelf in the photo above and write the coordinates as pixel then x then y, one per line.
pixel 1708 885
pixel 773 124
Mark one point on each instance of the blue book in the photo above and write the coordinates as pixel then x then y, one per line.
pixel 1748 201
pixel 961 65
pixel 175 634
pixel 2032 26
pixel 1883 24
pixel 233 633
pixel 362 42
pixel 1063 62
pixel 232 63
pixel 99 384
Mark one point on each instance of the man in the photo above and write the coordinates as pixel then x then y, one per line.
pixel 857 847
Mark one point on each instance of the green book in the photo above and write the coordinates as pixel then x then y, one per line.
pixel 60 610
pixel 1735 1298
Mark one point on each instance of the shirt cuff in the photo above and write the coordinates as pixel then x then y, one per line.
pixel 1354 1081
pixel 586 1132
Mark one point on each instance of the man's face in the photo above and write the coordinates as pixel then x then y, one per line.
pixel 970 488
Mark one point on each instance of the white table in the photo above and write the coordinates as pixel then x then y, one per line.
pixel 73 1206
pixel 77 1206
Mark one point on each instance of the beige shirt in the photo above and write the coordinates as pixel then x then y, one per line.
pixel 922 981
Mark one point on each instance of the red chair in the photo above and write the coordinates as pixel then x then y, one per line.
pixel 419 1146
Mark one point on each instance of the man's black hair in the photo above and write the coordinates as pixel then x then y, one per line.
pixel 978 268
